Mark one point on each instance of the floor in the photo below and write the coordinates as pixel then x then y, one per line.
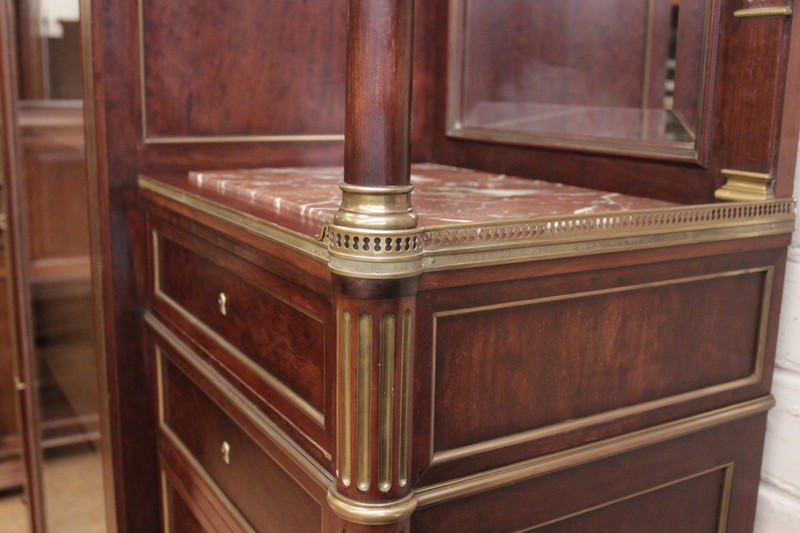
pixel 73 496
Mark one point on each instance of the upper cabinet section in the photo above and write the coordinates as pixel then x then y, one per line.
pixel 242 71
pixel 683 100
pixel 622 75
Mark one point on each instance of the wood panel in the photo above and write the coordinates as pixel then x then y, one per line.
pixel 55 170
pixel 202 76
pixel 576 355
pixel 704 482
pixel 178 515
pixel 566 320
pixel 202 427
pixel 262 318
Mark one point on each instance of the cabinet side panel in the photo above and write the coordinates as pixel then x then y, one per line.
pixel 522 365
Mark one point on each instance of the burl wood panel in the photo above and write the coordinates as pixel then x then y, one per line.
pixel 244 68
pixel 500 371
pixel 675 486
pixel 264 319
pixel 280 504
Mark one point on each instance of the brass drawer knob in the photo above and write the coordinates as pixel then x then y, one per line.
pixel 222 301
pixel 226 452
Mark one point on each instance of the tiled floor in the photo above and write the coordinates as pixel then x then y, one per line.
pixel 73 496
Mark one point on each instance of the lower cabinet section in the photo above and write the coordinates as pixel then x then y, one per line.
pixel 703 482
pixel 221 474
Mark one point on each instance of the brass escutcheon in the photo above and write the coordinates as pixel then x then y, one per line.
pixel 226 452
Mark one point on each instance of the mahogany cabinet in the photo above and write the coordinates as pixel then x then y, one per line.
pixel 378 266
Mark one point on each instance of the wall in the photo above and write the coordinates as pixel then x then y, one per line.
pixel 779 496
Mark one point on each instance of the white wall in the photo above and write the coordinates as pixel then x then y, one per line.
pixel 779 496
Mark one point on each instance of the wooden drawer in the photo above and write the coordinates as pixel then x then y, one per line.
pixel 682 481
pixel 271 335
pixel 221 465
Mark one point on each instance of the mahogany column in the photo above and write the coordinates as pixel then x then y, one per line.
pixel 379 60
pixel 375 254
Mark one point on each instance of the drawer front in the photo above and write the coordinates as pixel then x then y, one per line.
pixel 272 333
pixel 178 518
pixel 698 482
pixel 259 489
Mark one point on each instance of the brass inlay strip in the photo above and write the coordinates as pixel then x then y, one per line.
pixel 287 446
pixel 386 388
pixel 258 226
pixel 725 507
pixel 166 503
pixel 345 402
pixel 763 12
pixel 570 425
pixel 215 139
pixel 499 477
pixel 161 406
pixel 281 388
pixel 404 446
pixel 727 468
pixel 199 138
pixel 364 404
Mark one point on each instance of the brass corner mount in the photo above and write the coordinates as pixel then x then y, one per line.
pixel 742 186
pixel 376 208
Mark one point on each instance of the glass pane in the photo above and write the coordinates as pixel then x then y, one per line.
pixel 602 74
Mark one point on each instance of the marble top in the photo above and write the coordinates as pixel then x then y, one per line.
pixel 443 195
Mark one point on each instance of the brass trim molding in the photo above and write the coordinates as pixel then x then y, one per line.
pixel 398 510
pixel 371 514
pixel 744 186
pixel 763 12
pixel 399 253
pixel 506 475
pixel 268 230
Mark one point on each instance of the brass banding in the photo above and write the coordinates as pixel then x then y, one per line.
pixel 376 208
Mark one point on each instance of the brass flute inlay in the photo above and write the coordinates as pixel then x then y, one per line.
pixel 345 398
pixel 763 12
pixel 364 405
pixel 404 445
pixel 386 402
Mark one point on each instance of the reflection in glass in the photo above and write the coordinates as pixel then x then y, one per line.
pixel 621 74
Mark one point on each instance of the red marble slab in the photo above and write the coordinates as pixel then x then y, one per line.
pixel 442 195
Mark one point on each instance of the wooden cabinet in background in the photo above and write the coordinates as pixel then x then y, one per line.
pixel 53 154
